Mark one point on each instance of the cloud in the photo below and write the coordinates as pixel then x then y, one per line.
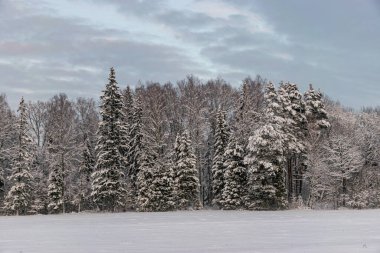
pixel 43 54
pixel 67 46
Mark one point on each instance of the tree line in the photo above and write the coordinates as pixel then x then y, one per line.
pixel 188 146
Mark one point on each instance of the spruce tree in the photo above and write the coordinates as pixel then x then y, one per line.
pixel 221 141
pixel 108 184
pixel 175 156
pixel 186 175
pixel 85 170
pixel 315 109
pixel 296 128
pixel 19 197
pixel 56 188
pixel 134 151
pixel 125 126
pixel 144 182
pixel 265 159
pixel 234 194
pixel 128 106
pixel 163 192
pixel 294 113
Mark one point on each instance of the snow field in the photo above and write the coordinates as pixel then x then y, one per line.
pixel 194 231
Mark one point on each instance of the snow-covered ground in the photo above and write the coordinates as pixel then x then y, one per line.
pixel 196 231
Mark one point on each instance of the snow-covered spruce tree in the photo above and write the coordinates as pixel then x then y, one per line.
pixel 128 107
pixel 186 175
pixel 108 183
pixel 221 141
pixel 265 162
pixel 174 162
pixel 144 181
pixel 296 129
pixel 7 139
pixel 56 189
pixel 125 125
pixel 315 109
pixel 318 125
pixel 243 116
pixel 20 196
pixel 234 194
pixel 134 152
pixel 162 188
pixel 265 159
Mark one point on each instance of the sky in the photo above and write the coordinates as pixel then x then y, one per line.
pixel 53 46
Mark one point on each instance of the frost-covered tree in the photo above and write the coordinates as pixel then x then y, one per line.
pixel 62 150
pixel 266 158
pixel 108 183
pixel 221 141
pixel 249 109
pixel 86 125
pixel 234 194
pixel 20 196
pixel 186 175
pixel 344 161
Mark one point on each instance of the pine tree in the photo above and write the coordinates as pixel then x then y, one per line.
pixel 234 194
pixel 19 197
pixel 108 185
pixel 186 175
pixel 134 151
pixel 221 141
pixel 266 158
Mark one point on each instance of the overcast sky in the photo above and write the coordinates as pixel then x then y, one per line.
pixel 52 46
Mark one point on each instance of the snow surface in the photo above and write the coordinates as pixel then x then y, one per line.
pixel 194 231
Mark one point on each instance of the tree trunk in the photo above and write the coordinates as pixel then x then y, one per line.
pixel 290 179
pixel 344 188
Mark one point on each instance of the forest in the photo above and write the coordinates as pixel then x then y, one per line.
pixel 187 146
